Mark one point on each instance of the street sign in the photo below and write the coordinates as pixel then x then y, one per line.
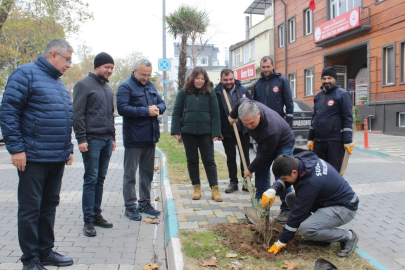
pixel 164 64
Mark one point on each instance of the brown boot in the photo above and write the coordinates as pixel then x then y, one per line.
pixel 197 192
pixel 215 194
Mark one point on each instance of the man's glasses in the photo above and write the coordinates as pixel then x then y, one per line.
pixel 143 75
pixel 68 61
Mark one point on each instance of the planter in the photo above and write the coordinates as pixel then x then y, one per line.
pixel 361 102
pixel 359 127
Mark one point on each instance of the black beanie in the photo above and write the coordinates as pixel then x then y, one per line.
pixel 102 59
pixel 329 71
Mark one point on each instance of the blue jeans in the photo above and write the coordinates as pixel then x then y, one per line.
pixel 262 176
pixel 96 161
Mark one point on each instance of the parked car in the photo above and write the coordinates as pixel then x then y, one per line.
pixel 118 120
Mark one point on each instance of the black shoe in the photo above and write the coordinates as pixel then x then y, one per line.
pixel 283 217
pixel 133 214
pixel 148 209
pixel 307 242
pixel 56 259
pixel 232 187
pixel 101 222
pixel 349 245
pixel 37 265
pixel 88 229
pixel 245 188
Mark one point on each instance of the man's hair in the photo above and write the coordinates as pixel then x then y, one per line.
pixel 189 86
pixel 247 108
pixel 266 58
pixel 226 72
pixel 284 165
pixel 59 45
pixel 144 62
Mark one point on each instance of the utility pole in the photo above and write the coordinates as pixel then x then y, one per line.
pixel 165 129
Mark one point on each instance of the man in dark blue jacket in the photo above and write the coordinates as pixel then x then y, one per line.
pixel 140 104
pixel 234 91
pixel 332 119
pixel 36 119
pixel 319 189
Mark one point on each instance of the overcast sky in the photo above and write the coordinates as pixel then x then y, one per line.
pixel 121 26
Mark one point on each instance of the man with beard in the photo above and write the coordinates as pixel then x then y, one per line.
pixel 234 91
pixel 331 125
pixel 93 122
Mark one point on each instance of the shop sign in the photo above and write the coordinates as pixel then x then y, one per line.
pixel 338 25
pixel 245 73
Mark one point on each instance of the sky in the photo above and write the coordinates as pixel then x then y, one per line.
pixel 122 26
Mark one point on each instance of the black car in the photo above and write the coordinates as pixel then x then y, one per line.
pixel 301 121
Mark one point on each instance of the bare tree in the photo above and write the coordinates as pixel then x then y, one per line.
pixel 5 8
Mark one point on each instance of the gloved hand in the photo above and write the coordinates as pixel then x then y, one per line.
pixel 310 145
pixel 268 198
pixel 276 247
pixel 349 147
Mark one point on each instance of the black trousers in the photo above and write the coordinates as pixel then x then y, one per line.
pixel 330 151
pixel 230 144
pixel 38 197
pixel 193 143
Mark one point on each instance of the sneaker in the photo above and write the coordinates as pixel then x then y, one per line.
pixel 283 217
pixel 133 214
pixel 307 242
pixel 37 265
pixel 102 222
pixel 56 259
pixel 232 187
pixel 349 245
pixel 88 229
pixel 148 209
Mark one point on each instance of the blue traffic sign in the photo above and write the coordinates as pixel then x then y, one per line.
pixel 164 64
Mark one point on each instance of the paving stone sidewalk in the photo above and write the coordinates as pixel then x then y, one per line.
pixel 129 245
pixel 391 145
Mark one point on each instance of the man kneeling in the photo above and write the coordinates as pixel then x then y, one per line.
pixel 320 190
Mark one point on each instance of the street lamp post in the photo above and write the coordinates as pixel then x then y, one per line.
pixel 165 128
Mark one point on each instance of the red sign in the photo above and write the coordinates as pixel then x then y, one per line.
pixel 245 73
pixel 338 25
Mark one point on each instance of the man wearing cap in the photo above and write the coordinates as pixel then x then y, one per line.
pixel 331 125
pixel 93 123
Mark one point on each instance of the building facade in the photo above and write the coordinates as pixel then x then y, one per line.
pixel 362 39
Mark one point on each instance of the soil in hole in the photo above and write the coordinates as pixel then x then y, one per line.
pixel 247 239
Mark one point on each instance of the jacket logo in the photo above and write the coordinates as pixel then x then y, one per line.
pixel 331 102
pixel 244 95
pixel 275 89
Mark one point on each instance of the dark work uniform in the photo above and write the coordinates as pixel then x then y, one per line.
pixel 331 125
pixel 229 139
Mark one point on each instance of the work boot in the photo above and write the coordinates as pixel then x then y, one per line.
pixel 232 187
pixel 215 194
pixel 307 242
pixel 283 217
pixel 88 229
pixel 197 192
pixel 348 246
pixel 102 222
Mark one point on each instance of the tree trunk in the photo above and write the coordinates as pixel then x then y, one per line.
pixel 182 62
pixel 5 8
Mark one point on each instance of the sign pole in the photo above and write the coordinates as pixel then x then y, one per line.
pixel 165 128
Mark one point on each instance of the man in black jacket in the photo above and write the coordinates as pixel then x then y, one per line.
pixel 234 91
pixel 93 122
pixel 319 189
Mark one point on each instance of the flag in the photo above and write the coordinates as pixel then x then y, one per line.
pixel 312 4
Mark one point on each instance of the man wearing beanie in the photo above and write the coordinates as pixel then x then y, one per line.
pixel 331 125
pixel 93 123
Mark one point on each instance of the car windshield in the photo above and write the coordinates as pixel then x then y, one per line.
pixel 301 107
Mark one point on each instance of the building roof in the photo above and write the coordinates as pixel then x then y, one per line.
pixel 258 7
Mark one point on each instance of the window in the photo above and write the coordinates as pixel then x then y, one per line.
pixel 280 30
pixel 292 77
pixel 341 75
pixel 401 119
pixel 309 81
pixel 237 57
pixel 379 1
pixel 291 30
pixel 203 61
pixel 308 22
pixel 388 64
pixel 338 7
pixel 246 54
pixel 253 50
pixel 402 61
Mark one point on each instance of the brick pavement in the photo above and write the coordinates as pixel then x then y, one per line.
pixel 392 145
pixel 127 246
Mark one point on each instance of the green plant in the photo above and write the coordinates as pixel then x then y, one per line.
pixel 363 98
pixel 356 116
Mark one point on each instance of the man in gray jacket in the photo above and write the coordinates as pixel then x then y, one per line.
pixel 93 122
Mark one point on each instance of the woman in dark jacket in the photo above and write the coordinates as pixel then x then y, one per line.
pixel 196 119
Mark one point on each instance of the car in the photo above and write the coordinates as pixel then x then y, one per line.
pixel 118 120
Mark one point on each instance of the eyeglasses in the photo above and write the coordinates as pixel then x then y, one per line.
pixel 68 61
pixel 145 75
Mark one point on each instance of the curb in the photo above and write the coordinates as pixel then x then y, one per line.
pixel 370 259
pixel 174 254
pixel 376 152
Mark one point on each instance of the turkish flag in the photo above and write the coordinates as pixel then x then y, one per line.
pixel 312 4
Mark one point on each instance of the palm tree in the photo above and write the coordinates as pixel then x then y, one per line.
pixel 189 23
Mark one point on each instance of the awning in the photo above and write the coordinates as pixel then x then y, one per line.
pixel 258 7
